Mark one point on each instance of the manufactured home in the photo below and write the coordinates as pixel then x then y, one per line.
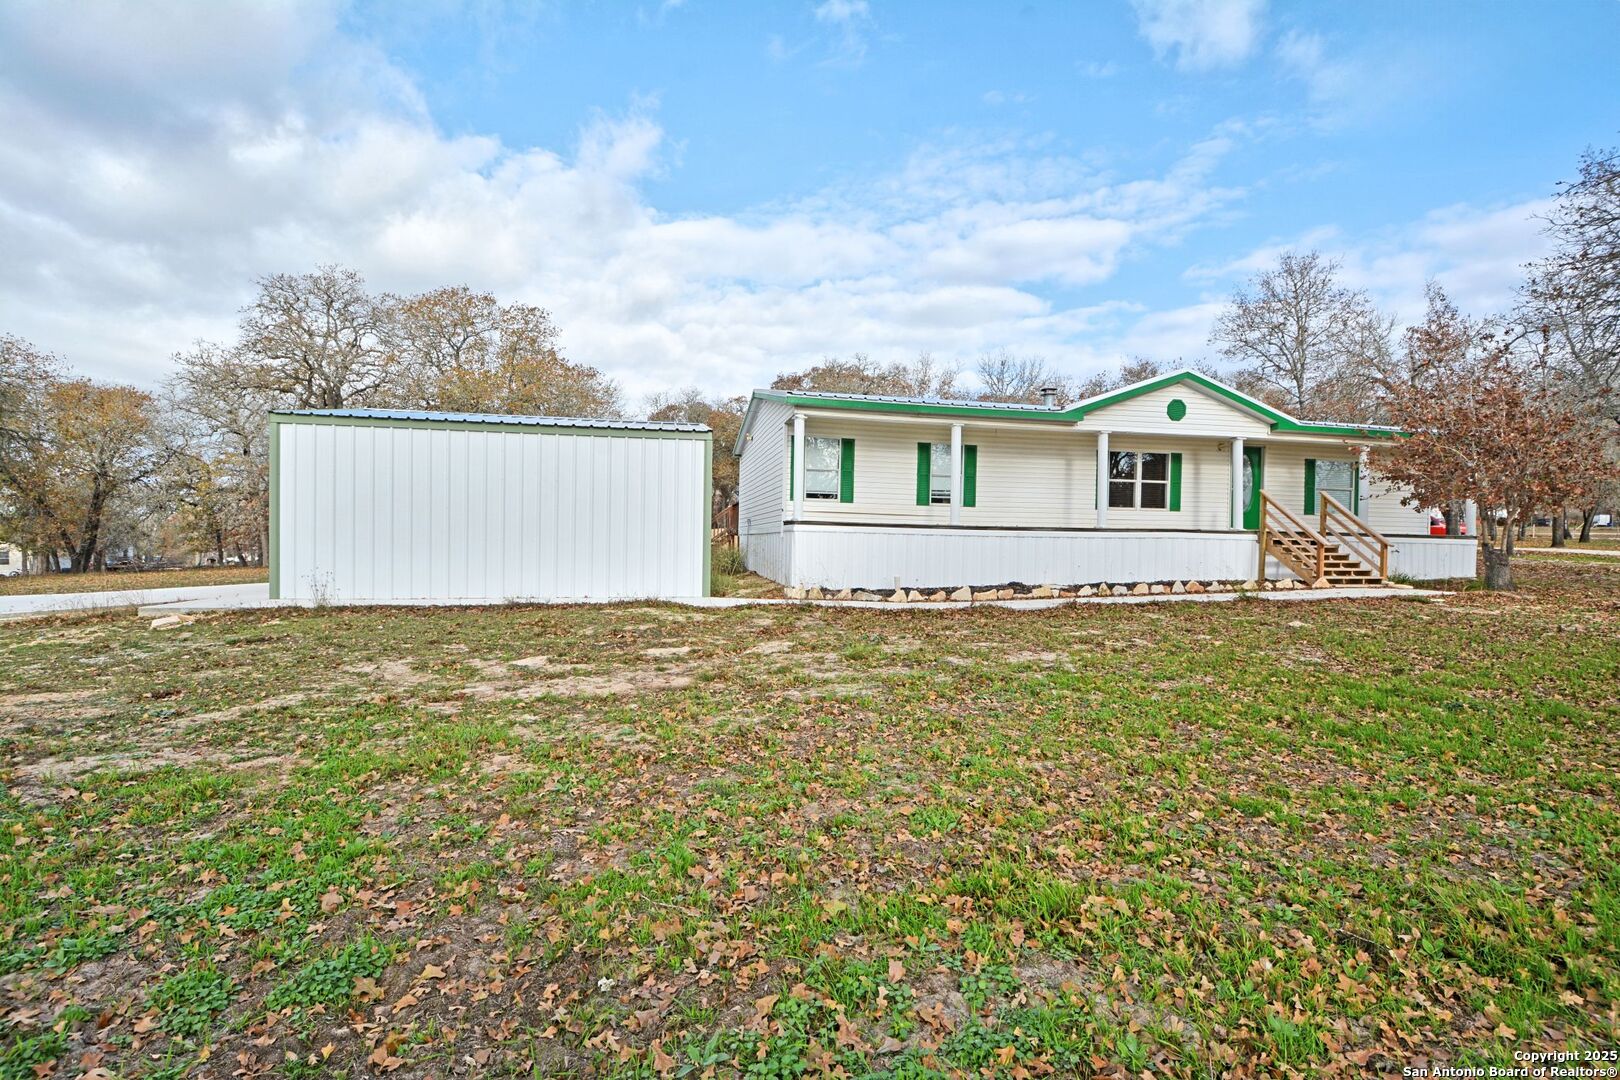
pixel 1176 478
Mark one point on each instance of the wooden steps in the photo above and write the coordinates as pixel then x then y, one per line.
pixel 1344 550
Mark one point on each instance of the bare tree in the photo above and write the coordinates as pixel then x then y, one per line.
pixel 466 352
pixel 723 416
pixel 1304 341
pixel 88 447
pixel 1488 425
pixel 1575 294
pixel 860 374
pixel 221 473
pixel 319 340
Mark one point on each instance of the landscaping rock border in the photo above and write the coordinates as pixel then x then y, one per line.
pixel 1017 590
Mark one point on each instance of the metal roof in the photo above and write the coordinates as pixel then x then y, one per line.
pixel 498 418
pixel 1011 406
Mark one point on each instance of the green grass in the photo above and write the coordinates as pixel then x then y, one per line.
pixel 1185 838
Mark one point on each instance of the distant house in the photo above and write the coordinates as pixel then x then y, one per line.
pixel 1175 478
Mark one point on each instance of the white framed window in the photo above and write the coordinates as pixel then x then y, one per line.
pixel 939 473
pixel 823 458
pixel 1138 481
pixel 5 555
pixel 1338 479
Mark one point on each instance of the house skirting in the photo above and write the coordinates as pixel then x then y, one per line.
pixel 887 557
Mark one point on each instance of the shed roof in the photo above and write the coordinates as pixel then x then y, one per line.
pixel 421 415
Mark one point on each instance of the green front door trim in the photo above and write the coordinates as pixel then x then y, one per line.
pixel 1256 457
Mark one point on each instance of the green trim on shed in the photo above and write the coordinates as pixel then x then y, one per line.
pixel 925 473
pixel 1175 481
pixel 1310 486
pixel 274 554
pixel 970 475
pixel 708 519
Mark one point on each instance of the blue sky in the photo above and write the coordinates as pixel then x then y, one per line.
pixel 706 194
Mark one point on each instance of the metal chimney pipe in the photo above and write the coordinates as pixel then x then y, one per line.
pixel 1049 396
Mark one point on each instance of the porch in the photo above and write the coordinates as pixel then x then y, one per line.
pixel 888 557
pixel 885 502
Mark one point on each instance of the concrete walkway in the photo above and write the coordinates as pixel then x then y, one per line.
pixel 158 602
pixel 239 597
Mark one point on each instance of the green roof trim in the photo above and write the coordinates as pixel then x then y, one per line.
pixel 1280 421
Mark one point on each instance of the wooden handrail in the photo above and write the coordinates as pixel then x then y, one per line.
pixel 1356 534
pixel 1317 574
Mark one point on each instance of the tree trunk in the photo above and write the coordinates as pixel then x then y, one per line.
pixel 1558 530
pixel 1499 565
pixel 1586 523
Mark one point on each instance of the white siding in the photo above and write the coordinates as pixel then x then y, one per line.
pixel 1041 479
pixel 888 557
pixel 1206 415
pixel 762 491
pixel 404 512
pixel 1381 508
pixel 1433 558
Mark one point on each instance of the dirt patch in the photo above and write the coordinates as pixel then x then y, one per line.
pixel 44 781
pixel 771 648
pixel 22 711
pixel 236 712
pixel 396 673
pixel 612 684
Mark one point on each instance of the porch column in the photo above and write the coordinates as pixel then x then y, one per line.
pixel 1102 479
pixel 798 466
pixel 1237 483
pixel 956 474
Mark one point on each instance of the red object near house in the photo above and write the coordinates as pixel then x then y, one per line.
pixel 1437 525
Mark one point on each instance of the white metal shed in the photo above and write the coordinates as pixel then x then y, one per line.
pixel 382 504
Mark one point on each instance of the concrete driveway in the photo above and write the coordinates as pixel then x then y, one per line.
pixel 256 595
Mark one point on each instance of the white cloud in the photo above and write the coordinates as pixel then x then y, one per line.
pixel 843 12
pixel 1201 35
pixel 1477 254
pixel 1346 86
pixel 849 20
pixel 138 215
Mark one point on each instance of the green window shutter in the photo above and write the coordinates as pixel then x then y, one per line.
pixel 970 475
pixel 1310 487
pixel 1175 481
pixel 846 472
pixel 1355 488
pixel 793 452
pixel 925 460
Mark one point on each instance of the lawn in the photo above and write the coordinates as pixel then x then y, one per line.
pixel 1270 838
pixel 28 584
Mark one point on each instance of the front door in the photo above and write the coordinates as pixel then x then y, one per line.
pixel 1253 477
